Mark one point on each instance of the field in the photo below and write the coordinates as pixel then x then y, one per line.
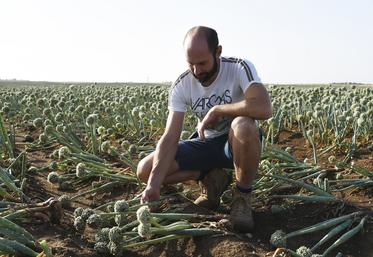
pixel 68 157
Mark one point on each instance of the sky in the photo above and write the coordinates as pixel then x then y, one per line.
pixel 288 41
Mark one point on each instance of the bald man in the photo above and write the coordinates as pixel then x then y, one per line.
pixel 228 97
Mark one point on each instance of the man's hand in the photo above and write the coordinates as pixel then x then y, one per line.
pixel 150 194
pixel 209 121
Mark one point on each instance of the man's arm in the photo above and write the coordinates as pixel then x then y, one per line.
pixel 163 156
pixel 257 105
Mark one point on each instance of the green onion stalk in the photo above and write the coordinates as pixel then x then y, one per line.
pixel 332 233
pixel 82 171
pixel 279 238
pixel 272 152
pixel 314 189
pixel 4 177
pixel 15 232
pixel 117 248
pixel 310 137
pixel 309 198
pixel 15 248
pixel 103 188
pixel 135 202
pixel 4 135
pixel 107 148
pixel 49 131
pixel 48 211
pixel 145 216
pixel 65 153
pixel 346 236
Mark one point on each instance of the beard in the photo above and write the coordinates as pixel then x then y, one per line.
pixel 206 76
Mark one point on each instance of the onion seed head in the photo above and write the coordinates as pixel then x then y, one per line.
pixel 304 251
pixel 115 235
pixel 86 213
pixel 105 146
pixel 278 239
pixel 43 138
pixel 63 152
pixel 48 130
pixel 101 130
pixel 143 214
pixel 91 119
pixel 121 206
pixel 103 235
pixel 135 112
pixel 115 249
pixel 125 144
pixel 59 117
pixel 81 170
pixel 53 165
pixel 65 201
pixel 38 122
pixel 5 109
pixel 132 149
pixel 59 128
pixel 78 212
pixel 47 111
pixel 53 177
pixel 332 159
pixel 120 219
pixel 142 155
pixel 153 122
pixel 94 221
pixel 101 248
pixel 144 231
pixel 79 224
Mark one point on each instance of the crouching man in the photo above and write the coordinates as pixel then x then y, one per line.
pixel 228 97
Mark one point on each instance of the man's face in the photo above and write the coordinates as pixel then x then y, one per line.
pixel 205 75
pixel 202 63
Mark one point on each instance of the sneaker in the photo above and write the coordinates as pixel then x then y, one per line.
pixel 212 187
pixel 241 216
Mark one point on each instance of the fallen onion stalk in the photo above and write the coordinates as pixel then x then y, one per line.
pixel 279 238
pixel 346 236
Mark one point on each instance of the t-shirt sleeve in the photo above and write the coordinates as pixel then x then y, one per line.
pixel 176 99
pixel 247 75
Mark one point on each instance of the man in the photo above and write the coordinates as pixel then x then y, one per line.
pixel 227 96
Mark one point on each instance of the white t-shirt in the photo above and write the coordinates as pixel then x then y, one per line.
pixel 234 78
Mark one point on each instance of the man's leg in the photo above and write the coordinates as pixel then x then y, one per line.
pixel 195 155
pixel 173 176
pixel 244 139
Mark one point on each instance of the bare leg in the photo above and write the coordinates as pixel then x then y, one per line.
pixel 244 138
pixel 173 176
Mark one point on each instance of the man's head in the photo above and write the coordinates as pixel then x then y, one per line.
pixel 202 51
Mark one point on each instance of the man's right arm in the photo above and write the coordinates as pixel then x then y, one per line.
pixel 164 155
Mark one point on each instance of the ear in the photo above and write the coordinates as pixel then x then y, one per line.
pixel 218 51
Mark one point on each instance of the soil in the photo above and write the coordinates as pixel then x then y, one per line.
pixel 65 241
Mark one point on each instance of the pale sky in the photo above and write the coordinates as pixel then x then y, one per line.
pixel 288 41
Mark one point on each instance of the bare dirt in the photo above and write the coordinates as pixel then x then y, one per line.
pixel 65 241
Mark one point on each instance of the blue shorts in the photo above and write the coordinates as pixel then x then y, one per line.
pixel 204 155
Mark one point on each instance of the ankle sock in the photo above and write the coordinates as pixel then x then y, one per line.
pixel 244 189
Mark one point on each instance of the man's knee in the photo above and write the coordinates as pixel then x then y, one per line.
pixel 143 168
pixel 244 128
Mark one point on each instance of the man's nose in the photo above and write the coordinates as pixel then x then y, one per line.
pixel 196 70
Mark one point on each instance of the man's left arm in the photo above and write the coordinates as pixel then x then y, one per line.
pixel 257 105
